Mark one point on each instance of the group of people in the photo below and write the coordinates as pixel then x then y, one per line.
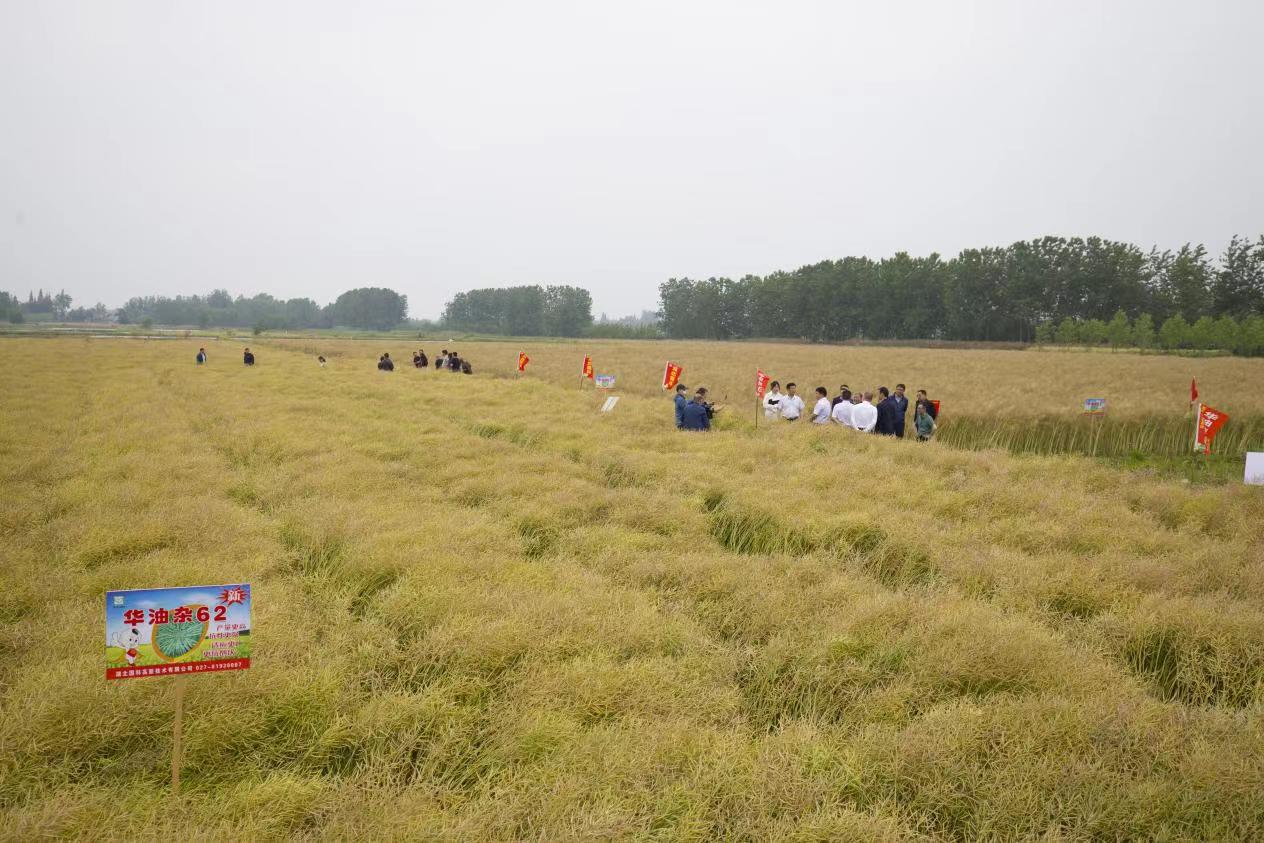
pixel 449 360
pixel 852 410
pixel 695 414
pixel 856 410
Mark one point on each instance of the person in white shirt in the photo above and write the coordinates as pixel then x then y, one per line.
pixel 791 405
pixel 772 401
pixel 864 416
pixel 821 412
pixel 842 410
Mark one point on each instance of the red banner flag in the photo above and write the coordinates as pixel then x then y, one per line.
pixel 761 383
pixel 935 401
pixel 588 367
pixel 1210 420
pixel 523 360
pixel 671 375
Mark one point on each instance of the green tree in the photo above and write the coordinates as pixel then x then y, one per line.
pixel 1143 331
pixel 1068 332
pixel 1224 334
pixel 1093 332
pixel 369 308
pixel 1174 332
pixel 1202 334
pixel 1119 332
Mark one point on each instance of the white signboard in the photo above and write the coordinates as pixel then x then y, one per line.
pixel 1255 468
pixel 610 402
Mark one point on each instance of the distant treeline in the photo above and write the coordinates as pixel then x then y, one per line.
pixel 530 311
pixel 1015 293
pixel 367 308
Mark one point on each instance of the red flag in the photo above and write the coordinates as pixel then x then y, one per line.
pixel 671 375
pixel 588 367
pixel 935 401
pixel 523 360
pixel 1193 390
pixel 1210 421
pixel 761 383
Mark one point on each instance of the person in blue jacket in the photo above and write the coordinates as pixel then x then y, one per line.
pixel 697 416
pixel 681 401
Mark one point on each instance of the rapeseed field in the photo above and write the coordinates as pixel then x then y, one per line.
pixel 485 611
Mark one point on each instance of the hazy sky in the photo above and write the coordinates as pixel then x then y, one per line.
pixel 305 148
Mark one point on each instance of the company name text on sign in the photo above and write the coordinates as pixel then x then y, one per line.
pixel 175 631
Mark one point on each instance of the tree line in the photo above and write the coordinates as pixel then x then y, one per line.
pixel 1007 293
pixel 367 308
pixel 528 311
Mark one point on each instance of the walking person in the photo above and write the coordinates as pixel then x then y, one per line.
pixel 821 410
pixel 792 404
pixel 248 357
pixel 923 421
pixel 772 400
pixel 899 406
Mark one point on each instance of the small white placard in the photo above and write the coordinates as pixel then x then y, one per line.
pixel 610 402
pixel 1255 468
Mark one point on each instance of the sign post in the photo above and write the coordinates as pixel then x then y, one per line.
pixel 1095 407
pixel 177 632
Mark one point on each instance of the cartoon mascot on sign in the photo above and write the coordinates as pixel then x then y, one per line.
pixel 129 644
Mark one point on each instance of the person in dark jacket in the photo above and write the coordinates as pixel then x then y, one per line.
pixel 844 394
pixel 680 402
pixel 248 357
pixel 900 404
pixel 420 360
pixel 886 413
pixel 696 415
pixel 385 364
pixel 441 358
pixel 201 358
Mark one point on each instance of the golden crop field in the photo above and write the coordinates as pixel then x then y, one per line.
pixel 969 381
pixel 484 611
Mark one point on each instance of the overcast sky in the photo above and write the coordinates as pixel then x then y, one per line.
pixel 305 148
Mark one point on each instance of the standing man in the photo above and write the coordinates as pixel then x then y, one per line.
pixel 248 357
pixel 201 358
pixel 681 401
pixel 899 404
pixel 864 416
pixel 792 404
pixel 821 411
pixel 695 415
pixel 844 394
pixel 886 413
pixel 842 410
